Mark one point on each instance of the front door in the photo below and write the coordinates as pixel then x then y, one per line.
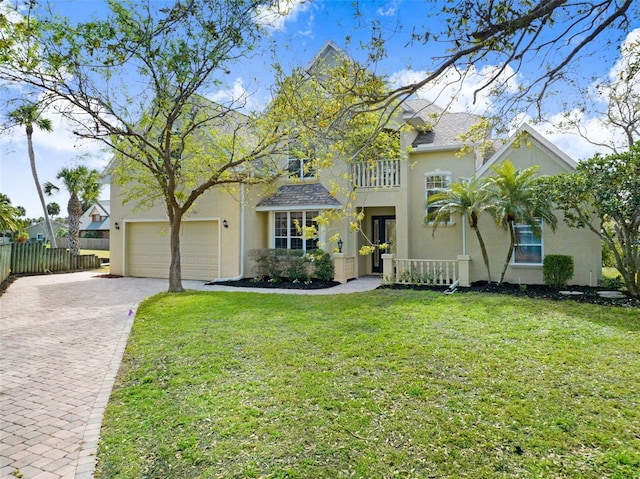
pixel 383 232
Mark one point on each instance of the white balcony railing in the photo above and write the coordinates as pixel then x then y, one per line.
pixel 376 174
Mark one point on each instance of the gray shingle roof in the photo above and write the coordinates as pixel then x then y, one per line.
pixel 436 126
pixel 298 196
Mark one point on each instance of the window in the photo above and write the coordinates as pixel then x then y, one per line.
pixel 289 232
pixel 528 248
pixel 301 168
pixel 96 218
pixel 434 184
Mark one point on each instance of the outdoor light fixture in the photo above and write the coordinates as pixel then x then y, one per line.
pixel 225 223
pixel 340 243
pixel 117 225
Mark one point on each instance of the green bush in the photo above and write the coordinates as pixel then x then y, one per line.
pixel 323 265
pixel 612 283
pixel 266 264
pixel 557 270
pixel 294 268
pixel 279 263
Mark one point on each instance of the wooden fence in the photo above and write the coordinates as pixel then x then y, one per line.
pixel 37 258
pixel 5 261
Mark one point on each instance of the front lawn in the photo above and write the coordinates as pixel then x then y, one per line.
pixel 409 384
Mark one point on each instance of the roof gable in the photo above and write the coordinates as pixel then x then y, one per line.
pixel 563 160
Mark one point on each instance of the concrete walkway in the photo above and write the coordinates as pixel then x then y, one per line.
pixel 61 342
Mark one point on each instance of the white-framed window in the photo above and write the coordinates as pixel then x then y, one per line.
pixel 289 230
pixel 527 248
pixel 434 183
pixel 301 168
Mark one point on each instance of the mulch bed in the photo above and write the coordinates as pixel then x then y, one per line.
pixel 254 283
pixel 589 294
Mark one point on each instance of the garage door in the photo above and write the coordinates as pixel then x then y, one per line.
pixel 148 253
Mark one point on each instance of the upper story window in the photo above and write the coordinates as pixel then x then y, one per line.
pixel 301 168
pixel 527 248
pixel 96 218
pixel 438 182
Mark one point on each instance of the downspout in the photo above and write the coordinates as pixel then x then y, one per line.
pixel 242 235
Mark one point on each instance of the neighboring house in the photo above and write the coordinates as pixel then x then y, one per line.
pixel 222 229
pixel 95 226
pixel 94 222
pixel 38 231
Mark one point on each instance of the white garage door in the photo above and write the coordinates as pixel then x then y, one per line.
pixel 149 256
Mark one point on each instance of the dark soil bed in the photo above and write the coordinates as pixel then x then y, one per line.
pixel 254 283
pixel 589 295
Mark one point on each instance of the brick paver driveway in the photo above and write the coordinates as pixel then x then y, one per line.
pixel 61 341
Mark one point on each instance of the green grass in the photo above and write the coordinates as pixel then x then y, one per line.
pixel 609 273
pixel 100 253
pixel 376 385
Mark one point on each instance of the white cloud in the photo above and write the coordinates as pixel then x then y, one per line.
pixel 238 97
pixel 388 11
pixel 275 16
pixel 460 90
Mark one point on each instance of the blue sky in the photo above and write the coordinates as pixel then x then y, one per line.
pixel 297 37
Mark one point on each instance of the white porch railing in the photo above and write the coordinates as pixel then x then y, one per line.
pixel 376 174
pixel 425 271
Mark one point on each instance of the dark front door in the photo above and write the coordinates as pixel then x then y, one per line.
pixel 383 232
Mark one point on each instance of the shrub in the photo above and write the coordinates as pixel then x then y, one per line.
pixel 557 270
pixel 294 268
pixel 612 283
pixel 277 263
pixel 265 263
pixel 323 265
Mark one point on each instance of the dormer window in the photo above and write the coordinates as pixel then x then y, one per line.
pixel 96 218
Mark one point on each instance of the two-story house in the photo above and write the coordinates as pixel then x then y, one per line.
pixel 390 195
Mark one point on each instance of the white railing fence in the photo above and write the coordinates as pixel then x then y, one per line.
pixel 425 271
pixel 376 174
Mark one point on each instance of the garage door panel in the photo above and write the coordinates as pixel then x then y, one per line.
pixel 149 256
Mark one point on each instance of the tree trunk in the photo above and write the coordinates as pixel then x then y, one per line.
pixel 512 243
pixel 74 209
pixel 175 269
pixel 483 249
pixel 34 172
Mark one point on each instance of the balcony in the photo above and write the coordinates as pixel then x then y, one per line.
pixel 376 174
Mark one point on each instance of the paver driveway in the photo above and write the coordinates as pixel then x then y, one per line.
pixel 61 342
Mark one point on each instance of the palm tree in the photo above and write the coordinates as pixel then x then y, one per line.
pixel 28 115
pixel 469 198
pixel 8 215
pixel 83 186
pixel 517 197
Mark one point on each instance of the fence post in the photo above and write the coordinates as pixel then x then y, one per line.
pixel 340 267
pixel 387 268
pixel 464 261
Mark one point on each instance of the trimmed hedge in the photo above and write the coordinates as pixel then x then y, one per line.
pixel 557 270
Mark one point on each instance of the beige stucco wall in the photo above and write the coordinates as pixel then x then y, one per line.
pixel 448 241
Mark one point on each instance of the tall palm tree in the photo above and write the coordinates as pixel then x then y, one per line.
pixel 28 115
pixel 517 197
pixel 468 198
pixel 84 187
